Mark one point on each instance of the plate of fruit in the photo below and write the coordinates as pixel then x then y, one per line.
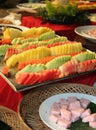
pixel 30 7
pixel 38 56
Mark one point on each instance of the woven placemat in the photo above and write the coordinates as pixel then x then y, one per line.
pixel 12 119
pixel 29 106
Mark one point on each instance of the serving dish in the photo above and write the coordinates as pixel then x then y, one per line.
pixel 92 18
pixel 42 72
pixel 3 26
pixel 13 26
pixel 44 109
pixel 83 31
pixel 30 7
pixel 29 108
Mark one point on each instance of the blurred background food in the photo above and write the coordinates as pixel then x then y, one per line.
pixel 92 18
pixel 63 13
pixel 4 21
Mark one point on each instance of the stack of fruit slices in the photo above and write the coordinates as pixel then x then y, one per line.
pixel 44 56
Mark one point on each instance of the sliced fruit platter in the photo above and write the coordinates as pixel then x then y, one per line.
pixel 38 56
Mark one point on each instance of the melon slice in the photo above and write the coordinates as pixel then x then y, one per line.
pixel 33 68
pixel 58 61
pixel 57 39
pixel 17 40
pixel 47 36
pixel 84 56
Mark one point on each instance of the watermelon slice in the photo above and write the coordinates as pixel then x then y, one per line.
pixel 68 68
pixel 27 78
pixel 21 78
pixel 6 41
pixel 86 65
pixel 43 76
pixel 31 79
pixel 10 52
pixel 47 75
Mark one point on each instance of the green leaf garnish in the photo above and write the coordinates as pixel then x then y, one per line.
pixel 79 125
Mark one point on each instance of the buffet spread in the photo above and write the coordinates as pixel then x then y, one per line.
pixel 37 57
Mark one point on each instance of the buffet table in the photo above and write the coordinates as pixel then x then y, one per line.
pixel 10 98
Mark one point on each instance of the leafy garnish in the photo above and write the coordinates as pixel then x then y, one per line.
pixel 62 14
pixel 92 107
pixel 79 125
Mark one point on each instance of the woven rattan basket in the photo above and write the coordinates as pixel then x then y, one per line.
pixel 29 106
pixel 12 119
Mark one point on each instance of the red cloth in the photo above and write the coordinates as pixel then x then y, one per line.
pixel 9 98
pixel 60 29
pixel 87 79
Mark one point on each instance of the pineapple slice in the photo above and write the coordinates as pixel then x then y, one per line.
pixel 37 53
pixel 67 49
pixel 34 32
pixel 11 33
